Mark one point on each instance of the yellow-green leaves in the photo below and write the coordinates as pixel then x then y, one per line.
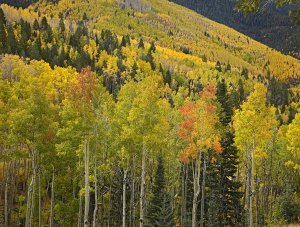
pixel 293 137
pixel 254 122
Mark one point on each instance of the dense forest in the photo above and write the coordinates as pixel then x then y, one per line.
pixel 99 128
pixel 269 25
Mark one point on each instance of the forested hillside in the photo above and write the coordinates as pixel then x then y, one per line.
pixel 270 25
pixel 143 113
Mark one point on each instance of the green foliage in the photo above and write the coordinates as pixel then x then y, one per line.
pixel 160 213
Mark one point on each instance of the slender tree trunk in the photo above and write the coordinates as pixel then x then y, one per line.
pixel 124 199
pixel 86 184
pixel 31 193
pixel 142 195
pixel 80 211
pixel 52 199
pixel 132 205
pixel 251 186
pixel 40 201
pixel 96 193
pixel 203 192
pixel 6 205
pixel 183 200
pixel 196 186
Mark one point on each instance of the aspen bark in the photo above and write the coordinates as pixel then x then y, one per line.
pixel 40 201
pixel 79 212
pixel 5 206
pixel 196 186
pixel 52 199
pixel 124 199
pixel 96 193
pixel 142 195
pixel 203 193
pixel 86 184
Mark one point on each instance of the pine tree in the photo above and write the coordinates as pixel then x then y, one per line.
pixel 3 36
pixel 12 43
pixel 225 207
pixel 62 26
pixel 167 77
pixel 36 25
pixel 160 213
pixel 218 66
pixel 141 44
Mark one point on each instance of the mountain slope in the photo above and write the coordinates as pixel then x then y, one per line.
pixel 175 27
pixel 271 26
pixel 179 28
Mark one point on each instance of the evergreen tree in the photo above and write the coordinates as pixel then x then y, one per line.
pixel 12 43
pixel 152 47
pixel 141 44
pixel 35 51
pixel 2 17
pixel 218 66
pixel 225 207
pixel 3 38
pixel 36 25
pixel 167 77
pixel 62 27
pixel 125 41
pixel 160 213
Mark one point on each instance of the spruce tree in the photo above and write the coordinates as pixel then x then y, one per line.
pixel 141 44
pixel 3 38
pixel 224 208
pixel 218 66
pixel 3 35
pixel 12 43
pixel 160 213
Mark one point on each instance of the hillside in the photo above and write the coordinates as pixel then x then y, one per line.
pixel 178 28
pixel 270 26
pixel 143 113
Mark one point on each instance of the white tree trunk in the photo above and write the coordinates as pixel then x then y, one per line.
pixel 132 205
pixel 251 187
pixel 142 195
pixel 86 184
pixel 196 186
pixel 30 194
pixel 5 206
pixel 52 199
pixel 203 193
pixel 96 194
pixel 40 201
pixel 124 199
pixel 80 211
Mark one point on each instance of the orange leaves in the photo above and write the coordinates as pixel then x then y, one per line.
pixel 189 118
pixel 190 152
pixel 84 86
pixel 218 147
pixel 199 125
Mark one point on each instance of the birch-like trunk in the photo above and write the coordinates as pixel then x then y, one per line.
pixel 96 193
pixel 142 195
pixel 124 199
pixel 86 183
pixel 183 200
pixel 132 205
pixel 5 205
pixel 52 199
pixel 31 193
pixel 40 201
pixel 203 193
pixel 251 186
pixel 196 186
pixel 79 212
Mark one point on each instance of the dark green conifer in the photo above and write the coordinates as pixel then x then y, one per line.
pixel 160 213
